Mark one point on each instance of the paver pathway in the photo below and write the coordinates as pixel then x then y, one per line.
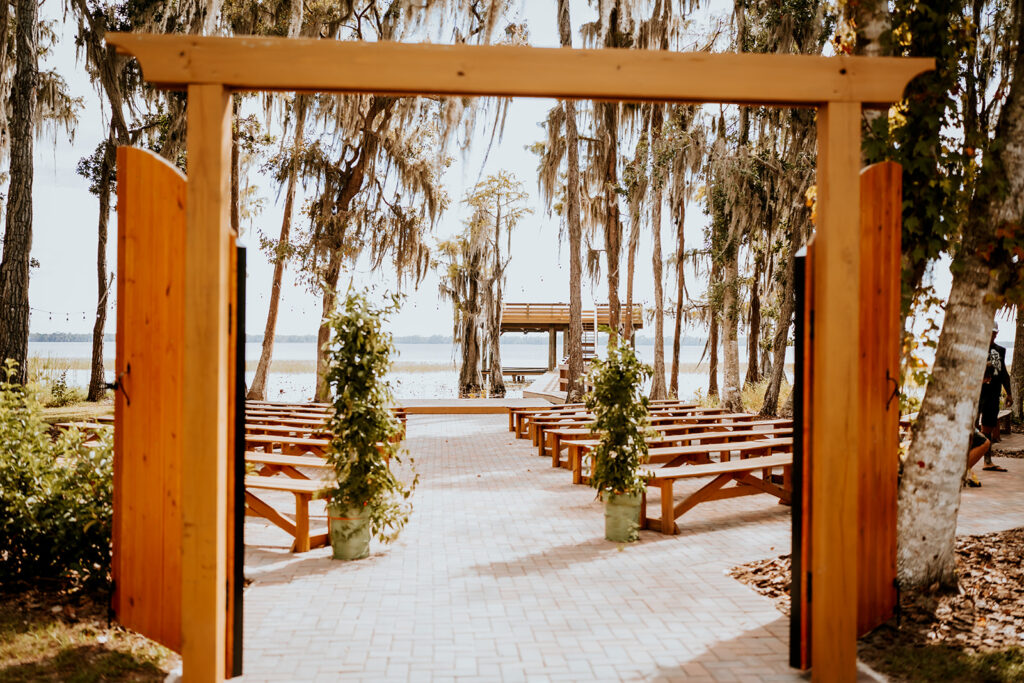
pixel 503 574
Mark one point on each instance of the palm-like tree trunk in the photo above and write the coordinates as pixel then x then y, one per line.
pixel 258 390
pixel 574 343
pixel 14 267
pixel 97 381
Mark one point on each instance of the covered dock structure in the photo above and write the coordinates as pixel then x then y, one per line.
pixel 554 318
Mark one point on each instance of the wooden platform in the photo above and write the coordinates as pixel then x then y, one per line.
pixel 467 406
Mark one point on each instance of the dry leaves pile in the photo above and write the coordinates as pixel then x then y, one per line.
pixel 768 577
pixel 987 613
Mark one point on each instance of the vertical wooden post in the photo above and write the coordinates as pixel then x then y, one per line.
pixel 552 348
pixel 207 416
pixel 834 438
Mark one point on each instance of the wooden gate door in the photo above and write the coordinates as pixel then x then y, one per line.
pixel 149 409
pixel 149 399
pixel 878 455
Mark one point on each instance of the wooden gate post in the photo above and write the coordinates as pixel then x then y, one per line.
pixel 835 410
pixel 207 372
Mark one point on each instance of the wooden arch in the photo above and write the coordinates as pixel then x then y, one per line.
pixel 210 69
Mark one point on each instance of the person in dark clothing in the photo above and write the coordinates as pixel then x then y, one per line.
pixel 996 379
pixel 980 448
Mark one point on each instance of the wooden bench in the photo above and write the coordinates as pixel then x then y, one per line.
pixel 520 417
pixel 303 490
pixel 289 445
pixel 271 463
pixel 314 432
pixel 673 456
pixel 668 436
pixel 739 472
pixel 656 420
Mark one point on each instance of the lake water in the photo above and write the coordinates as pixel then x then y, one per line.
pixel 420 371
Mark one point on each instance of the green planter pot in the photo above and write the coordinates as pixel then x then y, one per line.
pixel 350 532
pixel 622 516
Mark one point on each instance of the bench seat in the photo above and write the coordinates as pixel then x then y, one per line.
pixel 739 472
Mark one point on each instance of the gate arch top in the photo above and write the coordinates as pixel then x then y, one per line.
pixel 304 64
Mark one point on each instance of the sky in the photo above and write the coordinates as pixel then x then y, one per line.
pixel 63 287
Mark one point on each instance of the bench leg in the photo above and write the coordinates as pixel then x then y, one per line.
pixel 668 510
pixel 301 543
pixel 576 460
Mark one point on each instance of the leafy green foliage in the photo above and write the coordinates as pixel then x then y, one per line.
pixel 55 497
pixel 620 412
pixel 364 431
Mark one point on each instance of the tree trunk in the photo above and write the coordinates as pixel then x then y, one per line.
pixel 470 381
pixel 730 323
pixel 258 390
pixel 612 227
pixel 497 382
pixel 677 333
pixel 929 496
pixel 658 390
pixel 14 268
pixel 574 341
pixel 1017 367
pixel 330 299
pixel 631 249
pixel 754 330
pixel 97 380
pixel 786 308
pixel 873 25
pixel 713 357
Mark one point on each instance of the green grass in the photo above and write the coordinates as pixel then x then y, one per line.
pixel 38 645
pixel 904 662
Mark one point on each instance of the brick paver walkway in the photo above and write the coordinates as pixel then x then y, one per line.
pixel 504 574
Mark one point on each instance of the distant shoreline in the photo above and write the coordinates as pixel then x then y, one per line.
pixel 539 339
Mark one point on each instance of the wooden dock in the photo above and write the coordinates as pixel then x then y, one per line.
pixel 467 406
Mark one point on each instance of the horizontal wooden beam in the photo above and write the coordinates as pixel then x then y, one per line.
pixel 303 64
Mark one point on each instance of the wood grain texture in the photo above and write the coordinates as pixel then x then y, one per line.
pixel 148 410
pixel 835 395
pixel 880 224
pixel 253 63
pixel 209 243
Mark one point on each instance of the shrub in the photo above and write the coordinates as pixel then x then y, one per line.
pixel 55 498
pixel 620 419
pixel 364 430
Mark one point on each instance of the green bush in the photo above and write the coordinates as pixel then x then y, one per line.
pixel 362 425
pixel 620 419
pixel 55 498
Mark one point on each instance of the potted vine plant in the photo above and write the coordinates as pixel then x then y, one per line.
pixel 620 412
pixel 366 498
